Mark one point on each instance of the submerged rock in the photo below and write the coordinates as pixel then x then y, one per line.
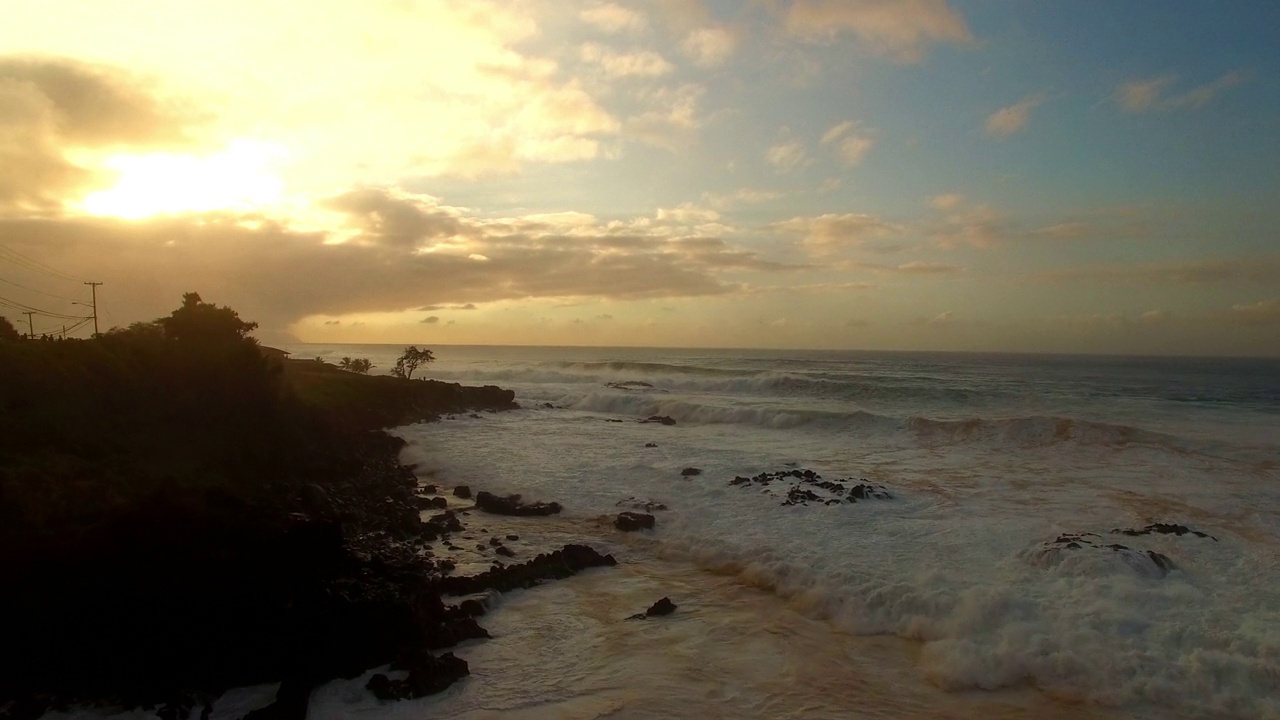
pixel 632 521
pixel 511 505
pixel 1147 563
pixel 690 472
pixel 1164 529
pixel 428 676
pixel 661 419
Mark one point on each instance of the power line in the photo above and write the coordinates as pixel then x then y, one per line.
pixel 41 292
pixel 24 308
pixel 18 258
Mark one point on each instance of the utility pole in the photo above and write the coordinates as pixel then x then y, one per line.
pixel 93 287
pixel 31 329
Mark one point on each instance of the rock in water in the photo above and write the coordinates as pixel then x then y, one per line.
pixel 690 472
pixel 462 491
pixel 632 521
pixel 658 609
pixel 511 505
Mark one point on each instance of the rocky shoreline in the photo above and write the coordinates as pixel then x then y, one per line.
pixel 327 571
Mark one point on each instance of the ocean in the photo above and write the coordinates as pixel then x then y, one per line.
pixel 991 582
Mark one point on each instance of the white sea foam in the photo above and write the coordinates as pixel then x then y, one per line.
pixel 963 558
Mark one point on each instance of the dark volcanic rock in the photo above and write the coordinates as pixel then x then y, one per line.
pixel 637 504
pixel 690 472
pixel 1144 562
pixel 662 419
pixel 511 505
pixel 631 521
pixel 563 563
pixel 658 609
pixel 808 483
pixel 462 491
pixel 629 385
pixel 1164 529
pixel 651 445
pixel 505 551
pixel 431 503
pixel 428 676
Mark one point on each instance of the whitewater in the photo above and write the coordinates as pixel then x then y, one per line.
pixel 961 591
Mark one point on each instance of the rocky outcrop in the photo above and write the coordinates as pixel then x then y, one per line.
pixel 511 505
pixel 1163 529
pixel 632 521
pixel 808 486
pixel 660 419
pixel 563 563
pixel 658 609
pixel 1147 563
pixel 462 491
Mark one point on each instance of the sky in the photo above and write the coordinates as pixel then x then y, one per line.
pixel 972 175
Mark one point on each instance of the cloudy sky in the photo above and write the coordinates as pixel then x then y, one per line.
pixel 864 174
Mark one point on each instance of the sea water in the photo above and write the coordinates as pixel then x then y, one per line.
pixel 952 593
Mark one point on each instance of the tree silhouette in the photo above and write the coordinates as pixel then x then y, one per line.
pixel 8 332
pixel 411 360
pixel 200 321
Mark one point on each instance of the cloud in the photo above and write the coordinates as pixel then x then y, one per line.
pixel 1261 269
pixel 1263 312
pixel 430 320
pixel 52 107
pixel 709 46
pixel 1062 231
pixel 741 196
pixel 332 322
pixel 898 29
pixel 391 252
pixel 831 233
pixel 850 147
pixel 673 119
pixel 788 156
pixel 619 65
pixel 1141 95
pixel 395 217
pixel 604 318
pixel 943 318
pixel 1014 118
pixel 613 18
pixel 949 201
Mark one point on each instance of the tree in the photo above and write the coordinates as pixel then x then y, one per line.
pixel 200 321
pixel 411 360
pixel 361 366
pixel 8 333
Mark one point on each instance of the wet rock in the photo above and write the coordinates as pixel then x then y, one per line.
pixel 661 419
pixel 548 406
pixel 495 541
pixel 429 490
pixel 637 504
pixel 562 563
pixel 431 503
pixel 511 505
pixel 1147 563
pixel 658 609
pixel 629 385
pixel 690 472
pixel 1164 529
pixel 428 676
pixel 651 445
pixel 462 491
pixel 632 521
pixel 513 537
pixel 505 551
pixel 864 491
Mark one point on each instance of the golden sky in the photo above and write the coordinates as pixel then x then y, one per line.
pixel 887 174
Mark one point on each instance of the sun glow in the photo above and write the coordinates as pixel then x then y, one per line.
pixel 238 178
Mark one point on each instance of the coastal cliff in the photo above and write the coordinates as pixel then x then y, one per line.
pixel 182 515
